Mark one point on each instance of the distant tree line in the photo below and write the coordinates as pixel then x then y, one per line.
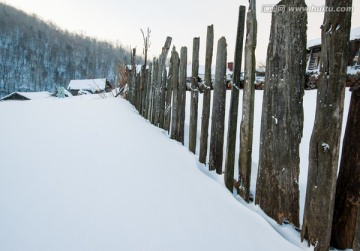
pixel 37 55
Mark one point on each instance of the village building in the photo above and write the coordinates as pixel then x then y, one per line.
pixel 21 96
pixel 92 86
pixel 314 54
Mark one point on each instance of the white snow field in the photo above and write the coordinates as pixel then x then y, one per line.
pixel 87 173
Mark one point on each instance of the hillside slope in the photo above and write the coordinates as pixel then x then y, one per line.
pixel 38 56
pixel 91 174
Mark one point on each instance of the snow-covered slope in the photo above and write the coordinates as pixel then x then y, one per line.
pixel 91 174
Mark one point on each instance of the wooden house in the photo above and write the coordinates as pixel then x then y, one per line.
pixel 314 53
pixel 21 96
pixel 89 85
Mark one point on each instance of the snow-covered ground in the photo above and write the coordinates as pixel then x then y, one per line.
pixel 87 173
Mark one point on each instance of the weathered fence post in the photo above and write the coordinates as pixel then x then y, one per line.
pixel 277 188
pixel 347 198
pixel 204 136
pixel 148 95
pixel 234 103
pixel 138 91
pixel 247 121
pixel 182 93
pixel 194 95
pixel 154 91
pixel 160 98
pixel 175 60
pixel 356 243
pixel 218 109
pixel 167 112
pixel 325 138
pixel 132 78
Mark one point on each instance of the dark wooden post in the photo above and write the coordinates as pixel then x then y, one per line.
pixel 356 243
pixel 204 136
pixel 168 96
pixel 325 138
pixel 148 96
pixel 194 95
pixel 154 91
pixel 218 109
pixel 132 78
pixel 247 121
pixel 347 198
pixel 138 91
pixel 234 103
pixel 175 61
pixel 277 188
pixel 182 93
pixel 160 83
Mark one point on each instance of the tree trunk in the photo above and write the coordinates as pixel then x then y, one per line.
pixel 175 61
pixel 234 103
pixel 277 189
pixel 194 95
pixel 182 93
pixel 204 136
pixel 347 198
pixel 218 109
pixel 325 138
pixel 160 83
pixel 247 122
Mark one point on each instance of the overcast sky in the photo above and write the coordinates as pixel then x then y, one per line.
pixel 121 20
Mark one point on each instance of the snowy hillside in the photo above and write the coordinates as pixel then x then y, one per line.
pixel 86 173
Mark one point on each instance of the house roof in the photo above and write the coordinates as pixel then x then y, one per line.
pixel 88 84
pixel 354 35
pixel 28 95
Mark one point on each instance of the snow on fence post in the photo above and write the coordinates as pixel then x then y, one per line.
pixel 247 121
pixel 174 72
pixel 160 97
pixel 194 95
pixel 147 100
pixel 182 94
pixel 204 136
pixel 325 137
pixel 234 103
pixel 154 91
pixel 347 199
pixel 218 109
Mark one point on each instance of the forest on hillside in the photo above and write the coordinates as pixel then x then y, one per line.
pixel 36 55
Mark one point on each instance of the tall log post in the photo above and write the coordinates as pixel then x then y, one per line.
pixel 218 109
pixel 347 197
pixel 182 93
pixel 155 91
pixel 247 121
pixel 234 103
pixel 148 96
pixel 325 138
pixel 194 95
pixel 168 96
pixel 160 83
pixel 277 188
pixel 356 243
pixel 175 61
pixel 205 119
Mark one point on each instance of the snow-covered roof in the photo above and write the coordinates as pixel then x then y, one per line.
pixel 30 95
pixel 354 34
pixel 88 84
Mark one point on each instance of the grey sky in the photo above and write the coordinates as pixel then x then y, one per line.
pixel 120 20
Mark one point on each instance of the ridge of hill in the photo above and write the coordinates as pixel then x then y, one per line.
pixel 39 56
